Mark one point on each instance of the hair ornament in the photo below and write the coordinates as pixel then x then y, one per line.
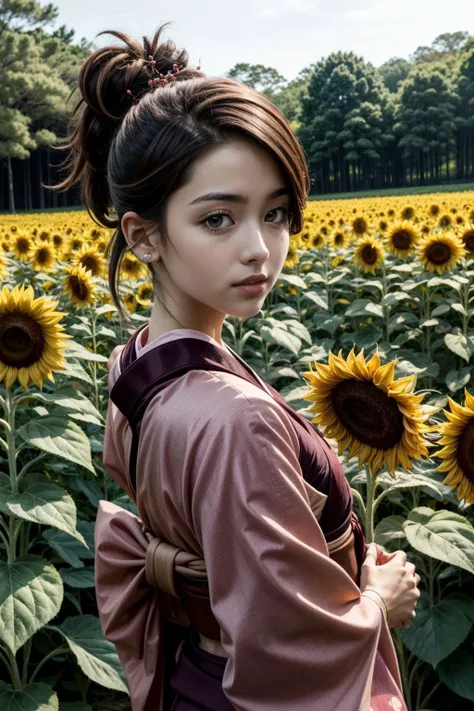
pixel 159 79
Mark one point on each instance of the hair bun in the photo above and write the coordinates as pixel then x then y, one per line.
pixel 109 72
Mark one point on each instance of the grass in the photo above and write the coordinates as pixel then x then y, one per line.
pixel 449 188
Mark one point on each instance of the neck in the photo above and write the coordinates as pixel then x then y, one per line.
pixel 162 322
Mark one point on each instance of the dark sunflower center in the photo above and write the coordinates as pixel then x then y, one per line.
pixel 78 287
pixel 368 413
pixel 434 210
pixel 369 254
pixel 339 239
pixel 359 225
pixel 42 255
pixel 21 340
pixel 23 245
pixel 466 451
pixel 402 239
pixel 408 213
pixel 468 240
pixel 90 263
pixel 439 253
pixel 445 221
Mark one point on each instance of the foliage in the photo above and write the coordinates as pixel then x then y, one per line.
pixel 321 303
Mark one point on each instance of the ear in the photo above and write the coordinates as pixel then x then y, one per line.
pixel 139 238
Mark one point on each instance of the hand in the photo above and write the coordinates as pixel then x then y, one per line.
pixel 395 580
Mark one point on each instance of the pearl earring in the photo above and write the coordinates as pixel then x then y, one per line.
pixel 146 257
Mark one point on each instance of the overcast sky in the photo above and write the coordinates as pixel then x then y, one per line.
pixel 285 34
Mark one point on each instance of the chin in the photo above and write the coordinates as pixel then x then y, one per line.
pixel 246 310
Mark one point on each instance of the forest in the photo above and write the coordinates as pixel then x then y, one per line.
pixel 409 122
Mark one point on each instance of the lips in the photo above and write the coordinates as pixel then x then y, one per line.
pixel 252 280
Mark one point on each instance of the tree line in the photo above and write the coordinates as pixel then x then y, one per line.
pixel 408 122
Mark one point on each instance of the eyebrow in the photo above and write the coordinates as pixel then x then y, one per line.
pixel 230 197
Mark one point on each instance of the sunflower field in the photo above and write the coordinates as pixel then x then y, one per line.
pixel 366 332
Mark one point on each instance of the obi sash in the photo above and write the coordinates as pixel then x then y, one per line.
pixel 143 377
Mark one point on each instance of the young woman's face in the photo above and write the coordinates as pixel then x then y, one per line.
pixel 216 242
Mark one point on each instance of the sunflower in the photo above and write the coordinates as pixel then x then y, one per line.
pixel 91 259
pixel 3 267
pixel 75 244
pixel 359 226
pixel 130 303
pixel 318 241
pixel 292 258
pixel 21 246
pixel 31 339
pixel 401 239
pixel 43 257
pixel 368 254
pixel 79 286
pixel 145 294
pixel 440 252
pixel 467 238
pixel 339 239
pixel 131 267
pixel 458 448
pixel 445 221
pixel 408 213
pixel 434 210
pixel 44 235
pixel 362 406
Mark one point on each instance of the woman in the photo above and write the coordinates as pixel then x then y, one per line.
pixel 204 181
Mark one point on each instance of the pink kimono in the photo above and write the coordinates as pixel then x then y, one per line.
pixel 219 475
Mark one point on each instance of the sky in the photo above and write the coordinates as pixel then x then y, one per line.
pixel 285 34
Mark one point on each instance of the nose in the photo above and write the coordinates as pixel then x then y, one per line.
pixel 255 248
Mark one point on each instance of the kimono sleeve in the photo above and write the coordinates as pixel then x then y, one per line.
pixel 293 625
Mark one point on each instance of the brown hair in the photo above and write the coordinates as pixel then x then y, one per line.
pixel 133 153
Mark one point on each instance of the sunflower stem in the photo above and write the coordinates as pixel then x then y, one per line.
pixel 403 668
pixel 28 465
pixel 94 364
pixel 14 671
pixel 369 512
pixel 358 497
pixel 385 309
pixel 42 662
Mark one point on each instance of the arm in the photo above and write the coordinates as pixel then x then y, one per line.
pixel 296 631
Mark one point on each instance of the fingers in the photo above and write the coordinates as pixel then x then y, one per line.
pixel 371 554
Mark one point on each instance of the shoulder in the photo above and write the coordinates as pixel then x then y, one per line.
pixel 202 400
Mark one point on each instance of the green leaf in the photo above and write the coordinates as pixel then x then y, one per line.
pixel 105 332
pixel 437 630
pixel 34 697
pixel 458 379
pixel 459 308
pixel 441 310
pixel 69 548
pixel 42 501
pixel 364 307
pixel 105 309
pixel 31 594
pixel 459 344
pixel 76 350
pixel 95 655
pixel 293 279
pixel 299 329
pixel 70 400
pixel 62 438
pixel 429 322
pixel 76 371
pixel 282 338
pixel 390 530
pixel 82 578
pixel 457 672
pixel 394 298
pixel 316 299
pixel 443 535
